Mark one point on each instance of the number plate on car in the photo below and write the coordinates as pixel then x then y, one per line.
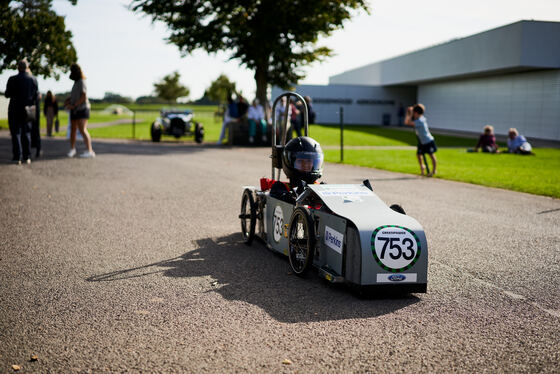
pixel 395 248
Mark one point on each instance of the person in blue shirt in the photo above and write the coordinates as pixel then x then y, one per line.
pixel 518 143
pixel 426 144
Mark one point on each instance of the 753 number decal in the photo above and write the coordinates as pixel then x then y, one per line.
pixel 395 248
pixel 277 223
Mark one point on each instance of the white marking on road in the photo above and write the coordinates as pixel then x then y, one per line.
pixel 513 295
pixel 555 313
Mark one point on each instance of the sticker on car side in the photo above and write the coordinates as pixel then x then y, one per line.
pixel 343 190
pixel 277 223
pixel 334 239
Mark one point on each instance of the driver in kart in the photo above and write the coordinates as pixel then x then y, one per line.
pixel 302 162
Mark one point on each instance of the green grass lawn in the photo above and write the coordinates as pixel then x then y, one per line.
pixel 95 117
pixel 158 107
pixel 538 174
pixel 144 119
pixel 379 136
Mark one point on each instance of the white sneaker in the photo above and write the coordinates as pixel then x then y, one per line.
pixel 72 152
pixel 88 154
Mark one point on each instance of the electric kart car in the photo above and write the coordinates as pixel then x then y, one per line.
pixel 344 230
pixel 176 123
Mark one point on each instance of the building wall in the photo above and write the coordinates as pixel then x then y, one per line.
pixel 520 46
pixel 528 101
pixel 362 105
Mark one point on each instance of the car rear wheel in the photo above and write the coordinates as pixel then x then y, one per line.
pixel 198 132
pixel 397 208
pixel 155 132
pixel 248 216
pixel 301 236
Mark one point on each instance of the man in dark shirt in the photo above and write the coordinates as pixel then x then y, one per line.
pixel 22 89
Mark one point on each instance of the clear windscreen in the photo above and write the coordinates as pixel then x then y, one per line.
pixel 308 161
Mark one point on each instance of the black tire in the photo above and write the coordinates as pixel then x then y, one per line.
pixel 397 208
pixel 248 216
pixel 155 132
pixel 301 241
pixel 198 132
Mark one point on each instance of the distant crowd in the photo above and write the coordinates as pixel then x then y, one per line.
pixel 239 110
pixel 24 113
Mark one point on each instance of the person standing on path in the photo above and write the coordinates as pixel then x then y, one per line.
pixel 36 126
pixel 230 115
pixel 79 107
pixel 50 110
pixel 22 90
pixel 426 144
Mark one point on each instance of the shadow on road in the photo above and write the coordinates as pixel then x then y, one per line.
pixel 257 276
pixel 57 148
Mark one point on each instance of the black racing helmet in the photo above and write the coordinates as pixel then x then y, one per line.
pixel 302 159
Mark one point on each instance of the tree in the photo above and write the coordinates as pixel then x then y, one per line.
pixel 111 97
pixel 169 89
pixel 275 38
pixel 220 88
pixel 149 100
pixel 31 29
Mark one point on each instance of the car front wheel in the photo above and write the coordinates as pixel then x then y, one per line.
pixel 301 236
pixel 155 132
pixel 198 132
pixel 248 216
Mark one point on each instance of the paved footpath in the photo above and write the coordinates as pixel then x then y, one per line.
pixel 133 262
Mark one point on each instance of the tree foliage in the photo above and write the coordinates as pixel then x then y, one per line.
pixel 149 99
pixel 220 88
pixel 170 89
pixel 31 29
pixel 275 38
pixel 112 97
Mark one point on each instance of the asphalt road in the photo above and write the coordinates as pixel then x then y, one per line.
pixel 133 262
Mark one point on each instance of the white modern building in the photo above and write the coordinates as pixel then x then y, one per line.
pixel 506 77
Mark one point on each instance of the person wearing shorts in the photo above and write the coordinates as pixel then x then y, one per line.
pixel 426 143
pixel 79 107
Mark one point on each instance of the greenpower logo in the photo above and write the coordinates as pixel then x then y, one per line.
pixel 395 248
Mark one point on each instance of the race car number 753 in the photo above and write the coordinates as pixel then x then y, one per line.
pixel 395 248
pixel 277 223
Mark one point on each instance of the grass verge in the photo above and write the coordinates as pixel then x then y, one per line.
pixel 533 174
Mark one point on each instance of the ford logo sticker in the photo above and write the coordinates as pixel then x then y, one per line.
pixel 397 277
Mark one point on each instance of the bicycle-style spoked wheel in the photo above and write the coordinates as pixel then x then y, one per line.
pixel 248 216
pixel 301 237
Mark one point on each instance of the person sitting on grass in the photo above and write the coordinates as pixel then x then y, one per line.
pixel 256 116
pixel 518 143
pixel 426 144
pixel 487 141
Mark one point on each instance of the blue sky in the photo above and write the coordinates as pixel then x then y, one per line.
pixel 125 53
